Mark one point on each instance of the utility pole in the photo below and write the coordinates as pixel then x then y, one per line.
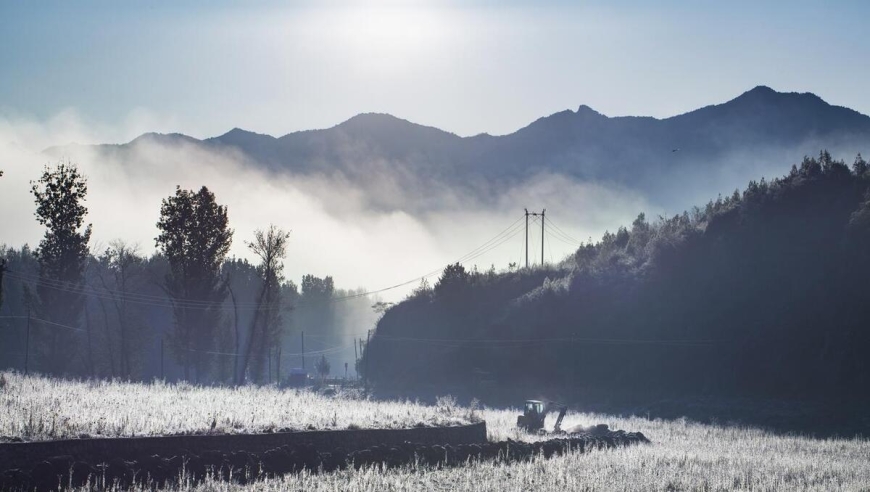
pixel 542 235
pixel 368 339
pixel 303 350
pixel 278 367
pixel 355 358
pixel 27 341
pixel 535 214
pixel 527 238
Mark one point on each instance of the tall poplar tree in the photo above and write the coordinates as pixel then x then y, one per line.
pixel 62 256
pixel 195 238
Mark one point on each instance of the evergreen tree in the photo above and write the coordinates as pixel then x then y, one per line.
pixel 453 283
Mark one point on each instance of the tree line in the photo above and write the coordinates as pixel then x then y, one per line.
pixel 188 311
pixel 761 293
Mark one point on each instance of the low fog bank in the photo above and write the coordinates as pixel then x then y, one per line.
pixel 334 231
pixel 699 184
pixel 371 231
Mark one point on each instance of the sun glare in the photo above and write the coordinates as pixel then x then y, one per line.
pixel 377 32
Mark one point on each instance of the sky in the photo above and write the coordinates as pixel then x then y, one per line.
pixel 106 72
pixel 203 68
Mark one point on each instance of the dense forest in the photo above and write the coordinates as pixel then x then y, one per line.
pixel 187 311
pixel 762 293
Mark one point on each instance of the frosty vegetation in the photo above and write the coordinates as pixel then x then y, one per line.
pixel 42 408
pixel 683 455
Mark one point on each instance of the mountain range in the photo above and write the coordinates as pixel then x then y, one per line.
pixel 672 161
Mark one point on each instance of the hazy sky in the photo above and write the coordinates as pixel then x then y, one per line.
pixel 201 68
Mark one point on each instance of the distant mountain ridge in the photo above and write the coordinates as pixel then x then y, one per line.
pixel 639 153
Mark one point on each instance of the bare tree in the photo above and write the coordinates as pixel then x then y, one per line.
pixel 271 247
pixel 125 265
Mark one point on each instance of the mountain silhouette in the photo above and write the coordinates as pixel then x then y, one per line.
pixel 719 146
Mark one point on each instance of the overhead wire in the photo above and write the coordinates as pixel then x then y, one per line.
pixel 52 323
pixel 517 341
pixel 494 246
pixel 563 238
pixel 331 350
pixel 132 297
pixel 451 342
pixel 550 235
pixel 499 239
pixel 165 302
pixel 563 233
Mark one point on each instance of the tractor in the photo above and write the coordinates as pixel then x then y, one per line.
pixel 534 413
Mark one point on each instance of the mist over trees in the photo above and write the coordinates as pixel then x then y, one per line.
pixel 761 293
pixel 112 312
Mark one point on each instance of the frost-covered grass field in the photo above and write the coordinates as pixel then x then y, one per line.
pixel 683 455
pixel 40 408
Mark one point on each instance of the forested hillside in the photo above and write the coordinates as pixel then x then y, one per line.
pixel 761 293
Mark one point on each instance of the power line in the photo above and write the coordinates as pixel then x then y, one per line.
pixel 52 323
pixel 554 232
pixel 499 239
pixel 563 233
pixel 564 238
pixel 515 341
pixel 494 246
pixel 165 302
pixel 132 297
pixel 561 240
pixel 334 349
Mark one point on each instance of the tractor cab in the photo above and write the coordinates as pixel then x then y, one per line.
pixel 532 419
pixel 534 407
pixel 534 413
